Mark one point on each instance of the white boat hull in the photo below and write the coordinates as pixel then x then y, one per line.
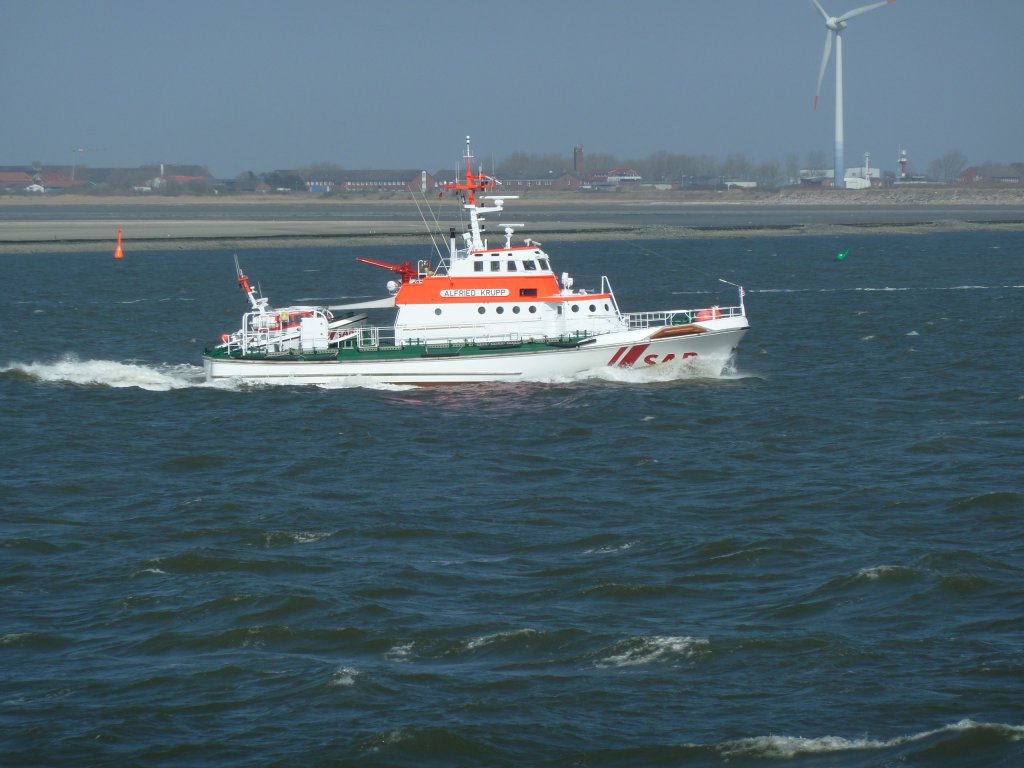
pixel 707 353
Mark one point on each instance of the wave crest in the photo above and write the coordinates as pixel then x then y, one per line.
pixel 786 747
pixel 109 373
pixel 663 649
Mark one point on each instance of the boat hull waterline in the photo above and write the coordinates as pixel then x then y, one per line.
pixel 704 354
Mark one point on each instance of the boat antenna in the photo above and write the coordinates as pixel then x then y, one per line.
pixel 475 182
pixel 426 225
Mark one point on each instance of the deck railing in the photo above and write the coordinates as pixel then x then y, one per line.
pixel 679 316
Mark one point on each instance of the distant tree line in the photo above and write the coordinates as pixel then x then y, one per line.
pixel 659 167
pixel 670 167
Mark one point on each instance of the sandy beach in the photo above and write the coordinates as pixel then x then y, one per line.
pixel 85 223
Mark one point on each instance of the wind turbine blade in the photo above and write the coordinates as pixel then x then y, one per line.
pixel 864 9
pixel 824 63
pixel 821 10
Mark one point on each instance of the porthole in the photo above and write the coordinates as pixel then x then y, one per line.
pixel 515 310
pixel 605 307
pixel 575 307
pixel 481 310
pixel 593 309
pixel 437 311
pixel 500 310
pixel 533 309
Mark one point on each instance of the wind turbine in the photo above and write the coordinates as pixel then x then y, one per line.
pixel 834 26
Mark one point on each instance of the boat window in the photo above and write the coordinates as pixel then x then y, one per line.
pixel 530 265
pixel 495 266
pixel 481 310
pixel 606 307
pixel 533 310
pixel 593 308
pixel 544 264
pixel 478 266
pixel 559 309
pixel 515 310
pixel 575 307
pixel 500 310
pixel 437 311
pixel 511 266
pixel 527 291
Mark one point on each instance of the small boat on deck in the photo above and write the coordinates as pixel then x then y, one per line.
pixel 484 312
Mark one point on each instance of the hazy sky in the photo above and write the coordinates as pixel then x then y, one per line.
pixel 258 85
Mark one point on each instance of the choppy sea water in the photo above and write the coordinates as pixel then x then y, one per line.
pixel 814 560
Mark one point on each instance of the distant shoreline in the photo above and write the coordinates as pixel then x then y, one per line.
pixel 69 223
pixel 910 194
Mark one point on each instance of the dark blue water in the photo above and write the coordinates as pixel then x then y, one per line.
pixel 816 560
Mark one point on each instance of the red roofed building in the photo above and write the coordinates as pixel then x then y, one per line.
pixel 56 180
pixel 14 179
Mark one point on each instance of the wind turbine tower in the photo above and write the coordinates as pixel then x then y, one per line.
pixel 834 26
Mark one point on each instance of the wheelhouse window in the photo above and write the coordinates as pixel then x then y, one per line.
pixel 544 265
pixel 530 265
pixel 478 266
pixel 495 266
pixel 512 266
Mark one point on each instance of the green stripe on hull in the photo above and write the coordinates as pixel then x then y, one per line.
pixel 409 352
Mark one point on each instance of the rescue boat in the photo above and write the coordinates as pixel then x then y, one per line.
pixel 483 312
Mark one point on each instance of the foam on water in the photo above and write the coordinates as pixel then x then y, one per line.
pixel 885 571
pixel 609 549
pixel 343 678
pixel 702 369
pixel 499 637
pixel 356 382
pixel 160 378
pixel 642 651
pixel 400 652
pixel 110 373
pixel 786 747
